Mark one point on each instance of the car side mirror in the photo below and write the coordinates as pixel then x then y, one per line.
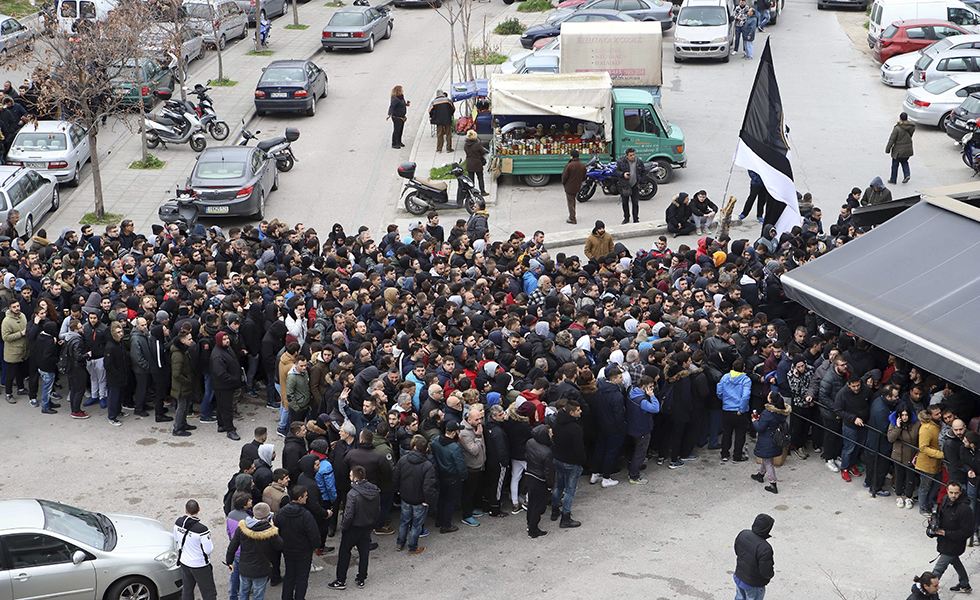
pixel 78 557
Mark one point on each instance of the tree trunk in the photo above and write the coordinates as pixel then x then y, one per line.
pixel 258 28
pixel 295 14
pixel 93 144
pixel 143 152
pixel 726 216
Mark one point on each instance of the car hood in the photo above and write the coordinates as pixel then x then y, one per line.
pixel 903 61
pixel 29 153
pixel 541 28
pixel 701 33
pixel 140 534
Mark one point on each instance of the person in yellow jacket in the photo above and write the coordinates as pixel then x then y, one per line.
pixel 929 461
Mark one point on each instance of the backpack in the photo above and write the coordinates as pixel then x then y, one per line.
pixel 781 434
pixel 64 359
pixel 667 399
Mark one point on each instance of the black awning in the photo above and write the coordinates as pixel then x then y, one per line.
pixel 910 286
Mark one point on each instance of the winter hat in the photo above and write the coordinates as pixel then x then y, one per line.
pixel 219 338
pixel 162 315
pixel 526 409
pixel 19 284
pixel 493 398
pixel 261 511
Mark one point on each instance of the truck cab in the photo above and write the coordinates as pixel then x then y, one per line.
pixel 639 123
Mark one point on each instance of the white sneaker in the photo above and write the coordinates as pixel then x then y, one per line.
pixel 595 478
pixel 832 465
pixel 609 483
pixel 909 503
pixel 315 568
pixel 900 502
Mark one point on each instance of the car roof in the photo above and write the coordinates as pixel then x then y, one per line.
pixel 350 9
pixel 956 52
pixel 5 17
pixel 721 3
pixel 45 127
pixel 920 22
pixel 287 62
pixel 600 11
pixel 226 152
pixel 17 513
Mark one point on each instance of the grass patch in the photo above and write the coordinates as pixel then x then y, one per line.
pixel 223 82
pixel 867 24
pixel 108 219
pixel 335 3
pixel 152 162
pixel 481 56
pixel 509 27
pixel 300 26
pixel 17 8
pixel 442 172
pixel 535 6
pixel 260 53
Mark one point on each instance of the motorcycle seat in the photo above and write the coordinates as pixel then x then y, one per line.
pixel 441 186
pixel 266 144
pixel 161 120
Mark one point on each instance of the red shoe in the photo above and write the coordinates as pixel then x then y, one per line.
pixel 855 472
pixel 845 475
pixel 79 415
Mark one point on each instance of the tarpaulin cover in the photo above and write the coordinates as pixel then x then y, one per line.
pixel 910 286
pixel 583 96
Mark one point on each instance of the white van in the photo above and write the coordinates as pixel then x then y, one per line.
pixel 705 29
pixel 886 12
pixel 70 11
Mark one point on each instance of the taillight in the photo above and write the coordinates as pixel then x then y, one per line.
pixel 244 192
pixel 15 163
pixel 145 91
pixel 326 34
pixel 358 34
pixel 217 24
pixel 253 4
pixel 884 43
pixel 920 103
pixel 300 94
pixel 259 94
pixel 922 76
pixel 58 165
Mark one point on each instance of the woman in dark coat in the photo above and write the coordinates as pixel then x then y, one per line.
pixel 474 159
pixel 766 449
pixel 396 112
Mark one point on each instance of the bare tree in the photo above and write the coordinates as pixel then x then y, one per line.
pixel 457 12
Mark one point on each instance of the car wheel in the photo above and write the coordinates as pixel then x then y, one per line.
pixel 311 111
pixel 820 6
pixel 73 182
pixel 370 47
pixel 908 81
pixel 275 181
pixel 508 2
pixel 244 31
pixel 726 58
pixel 132 588
pixel 388 31
pixel 678 59
pixel 438 3
pixel 668 172
pixel 3 55
pixel 260 214
pixel 29 228
pixel 944 122
pixel 221 42
pixel 536 180
pixel 260 113
pixel 56 198
pixel 772 21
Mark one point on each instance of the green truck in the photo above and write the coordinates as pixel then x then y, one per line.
pixel 537 118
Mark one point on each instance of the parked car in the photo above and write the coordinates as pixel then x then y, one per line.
pixel 641 10
pixel 515 63
pixel 550 30
pixel 858 4
pixel 57 148
pixel 542 63
pixel 432 3
pixel 969 110
pixel 908 36
pixel 14 37
pixel 290 85
pixel 221 16
pixel 269 9
pixel 160 39
pixel 32 194
pixel 233 181
pixel 933 103
pixel 357 27
pixel 705 29
pixel 570 3
pixel 897 70
pixel 137 79
pixel 53 550
pixel 930 67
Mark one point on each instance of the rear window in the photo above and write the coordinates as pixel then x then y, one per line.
pixel 198 11
pixel 940 85
pixel 283 75
pixel 889 32
pixel 971 105
pixel 221 170
pixel 702 16
pixel 346 19
pixel 39 141
pixel 923 63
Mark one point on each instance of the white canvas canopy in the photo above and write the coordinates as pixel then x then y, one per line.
pixel 583 96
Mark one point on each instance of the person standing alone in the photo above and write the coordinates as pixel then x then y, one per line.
pixel 754 565
pixel 360 514
pixel 397 111
pixel 631 172
pixel 441 115
pixel 900 147
pixel 955 527
pixel 194 548
pixel 572 178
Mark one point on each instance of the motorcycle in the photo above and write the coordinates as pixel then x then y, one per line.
pixel 181 210
pixel 217 128
pixel 278 147
pixel 971 147
pixel 178 123
pixel 597 172
pixel 427 194
pixel 265 32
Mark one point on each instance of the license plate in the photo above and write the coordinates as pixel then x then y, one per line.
pixel 214 210
pixel 279 94
pixel 341 35
pixel 37 165
pixel 960 122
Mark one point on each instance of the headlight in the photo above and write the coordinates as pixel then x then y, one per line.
pixel 681 41
pixel 168 558
pixel 889 67
pixel 720 40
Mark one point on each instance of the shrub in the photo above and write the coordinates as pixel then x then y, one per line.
pixel 509 27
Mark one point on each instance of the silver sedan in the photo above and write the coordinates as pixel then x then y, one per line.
pixel 641 10
pixel 932 103
pixel 56 148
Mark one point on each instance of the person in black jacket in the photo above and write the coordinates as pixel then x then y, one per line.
pixel 226 377
pixel 754 565
pixel 925 587
pixel 955 527
pixel 541 477
pixel 258 539
pixel 415 481
pixel 309 465
pixel 397 110
pixel 610 415
pixel 568 447
pixel 854 410
pixel 498 459
pixel 46 347
pixel 631 171
pixel 75 349
pixel 252 335
pixel 273 341
pixel 116 364
pixel 360 514
pixel 300 537
pixel 680 219
pixel 294 449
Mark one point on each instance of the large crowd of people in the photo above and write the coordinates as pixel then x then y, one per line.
pixel 460 377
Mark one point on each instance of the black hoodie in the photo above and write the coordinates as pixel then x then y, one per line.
pixel 755 562
pixel 297 527
pixel 540 460
pixel 415 479
pixel 363 505
pixel 307 477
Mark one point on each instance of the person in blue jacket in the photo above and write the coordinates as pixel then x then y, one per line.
pixel 766 449
pixel 734 389
pixel 641 405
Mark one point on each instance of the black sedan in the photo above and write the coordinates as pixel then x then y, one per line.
pixel 290 85
pixel 233 181
pixel 956 123
pixel 550 30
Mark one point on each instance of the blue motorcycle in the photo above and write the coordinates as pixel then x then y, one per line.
pixel 265 32
pixel 599 173
pixel 971 147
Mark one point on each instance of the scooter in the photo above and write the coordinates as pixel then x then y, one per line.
pixel 427 194
pixel 265 32
pixel 218 129
pixel 177 124
pixel 971 147
pixel 181 210
pixel 598 173
pixel 278 147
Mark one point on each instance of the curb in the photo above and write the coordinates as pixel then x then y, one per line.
pixel 575 237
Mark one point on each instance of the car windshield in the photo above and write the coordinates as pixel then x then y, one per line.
pixel 346 19
pixel 940 86
pixel 889 32
pixel 28 141
pixel 702 16
pixel 923 63
pixel 89 528
pixel 971 105
pixel 220 170
pixel 130 73
pixel 283 75
pixel 198 11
